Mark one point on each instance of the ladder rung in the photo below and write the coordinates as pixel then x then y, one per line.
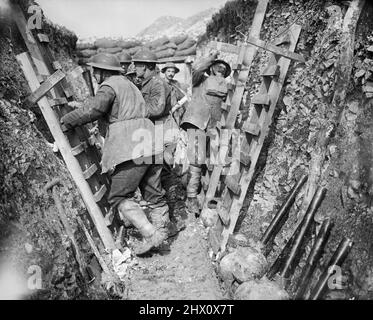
pixel 245 158
pixel 271 71
pixel 252 128
pixel 79 148
pixel 46 86
pixel 56 65
pixel 90 171
pixel 260 99
pixel 232 184
pixel 100 193
pixel 57 101
pixel 43 37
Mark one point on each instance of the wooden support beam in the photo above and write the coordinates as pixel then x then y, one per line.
pixel 46 86
pixel 65 150
pixel 276 50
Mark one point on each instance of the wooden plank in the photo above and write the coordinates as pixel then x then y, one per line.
pixel 43 38
pixel 90 171
pixel 264 121
pixel 46 86
pixel 246 56
pixel 261 99
pixel 65 150
pixel 274 49
pixel 57 101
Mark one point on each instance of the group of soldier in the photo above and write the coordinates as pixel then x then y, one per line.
pixel 131 96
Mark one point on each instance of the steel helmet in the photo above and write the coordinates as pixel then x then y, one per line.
pixel 106 61
pixel 124 57
pixel 170 65
pixel 145 55
pixel 228 68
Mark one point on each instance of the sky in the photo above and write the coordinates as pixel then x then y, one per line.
pixel 118 18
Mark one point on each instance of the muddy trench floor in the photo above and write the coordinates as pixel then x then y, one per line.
pixel 182 268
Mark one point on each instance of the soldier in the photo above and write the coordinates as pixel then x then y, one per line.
pixel 152 87
pixel 175 98
pixel 122 105
pixel 202 115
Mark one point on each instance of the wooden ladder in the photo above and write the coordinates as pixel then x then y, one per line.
pixel 253 133
pixel 52 91
pixel 236 89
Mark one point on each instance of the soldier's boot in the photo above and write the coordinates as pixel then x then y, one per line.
pixel 132 211
pixel 160 218
pixel 192 204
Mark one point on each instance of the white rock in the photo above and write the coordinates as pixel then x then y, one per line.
pixel 262 289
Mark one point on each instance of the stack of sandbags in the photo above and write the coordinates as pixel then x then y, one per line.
pixel 163 47
pixel 186 48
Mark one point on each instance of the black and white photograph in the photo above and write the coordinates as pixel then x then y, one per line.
pixel 186 155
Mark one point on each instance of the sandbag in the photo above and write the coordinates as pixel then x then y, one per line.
pixel 179 39
pixel 83 46
pixel 128 44
pixel 165 53
pixel 105 43
pixel 86 53
pixel 157 43
pixel 187 52
pixel 133 51
pixel 243 264
pixel 189 42
pixel 165 47
pixel 110 50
